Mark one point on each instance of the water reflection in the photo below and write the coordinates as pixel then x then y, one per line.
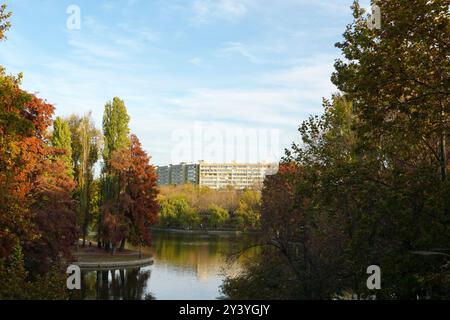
pixel 186 266
pixel 124 284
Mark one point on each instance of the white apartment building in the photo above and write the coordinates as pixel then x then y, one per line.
pixel 236 175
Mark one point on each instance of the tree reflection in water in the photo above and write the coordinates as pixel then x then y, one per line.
pixel 123 284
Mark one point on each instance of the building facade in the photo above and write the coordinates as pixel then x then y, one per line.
pixel 217 175
pixel 178 174
pixel 236 175
pixel 163 175
pixel 192 171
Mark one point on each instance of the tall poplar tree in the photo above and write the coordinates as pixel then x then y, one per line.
pixel 62 139
pixel 115 128
pixel 116 137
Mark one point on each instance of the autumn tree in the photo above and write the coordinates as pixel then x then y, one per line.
pixel 130 215
pixel 16 134
pixel 37 220
pixel 36 212
pixel 54 215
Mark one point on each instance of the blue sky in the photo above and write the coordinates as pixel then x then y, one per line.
pixel 225 65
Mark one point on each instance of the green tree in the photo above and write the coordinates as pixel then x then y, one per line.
pixel 116 137
pixel 217 216
pixel 16 284
pixel 4 23
pixel 86 143
pixel 368 183
pixel 248 212
pixel 115 128
pixel 90 145
pixel 62 139
pixel 176 212
pixel 397 77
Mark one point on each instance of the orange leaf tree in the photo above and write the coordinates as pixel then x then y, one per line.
pixel 135 208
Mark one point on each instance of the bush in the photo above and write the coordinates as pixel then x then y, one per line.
pixel 248 212
pixel 17 285
pixel 218 216
pixel 176 212
pixel 190 206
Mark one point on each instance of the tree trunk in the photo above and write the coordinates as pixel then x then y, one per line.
pixel 122 244
pixel 443 158
pixel 99 236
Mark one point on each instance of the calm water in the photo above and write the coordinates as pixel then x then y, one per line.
pixel 185 267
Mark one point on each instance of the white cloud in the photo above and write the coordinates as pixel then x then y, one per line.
pixel 313 75
pixel 97 41
pixel 231 10
pixel 241 49
pixel 196 61
pixel 92 48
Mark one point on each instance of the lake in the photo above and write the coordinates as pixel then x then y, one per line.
pixel 185 267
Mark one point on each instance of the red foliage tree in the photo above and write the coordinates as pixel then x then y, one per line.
pixel 53 215
pixel 135 209
pixel 281 217
pixel 23 121
pixel 35 192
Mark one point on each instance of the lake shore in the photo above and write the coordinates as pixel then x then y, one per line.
pixel 203 231
pixel 93 258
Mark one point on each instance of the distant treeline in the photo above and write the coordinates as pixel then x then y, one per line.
pixel 194 207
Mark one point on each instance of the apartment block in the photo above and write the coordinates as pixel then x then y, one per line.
pixel 178 174
pixel 217 175
pixel 192 171
pixel 236 175
pixel 163 175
